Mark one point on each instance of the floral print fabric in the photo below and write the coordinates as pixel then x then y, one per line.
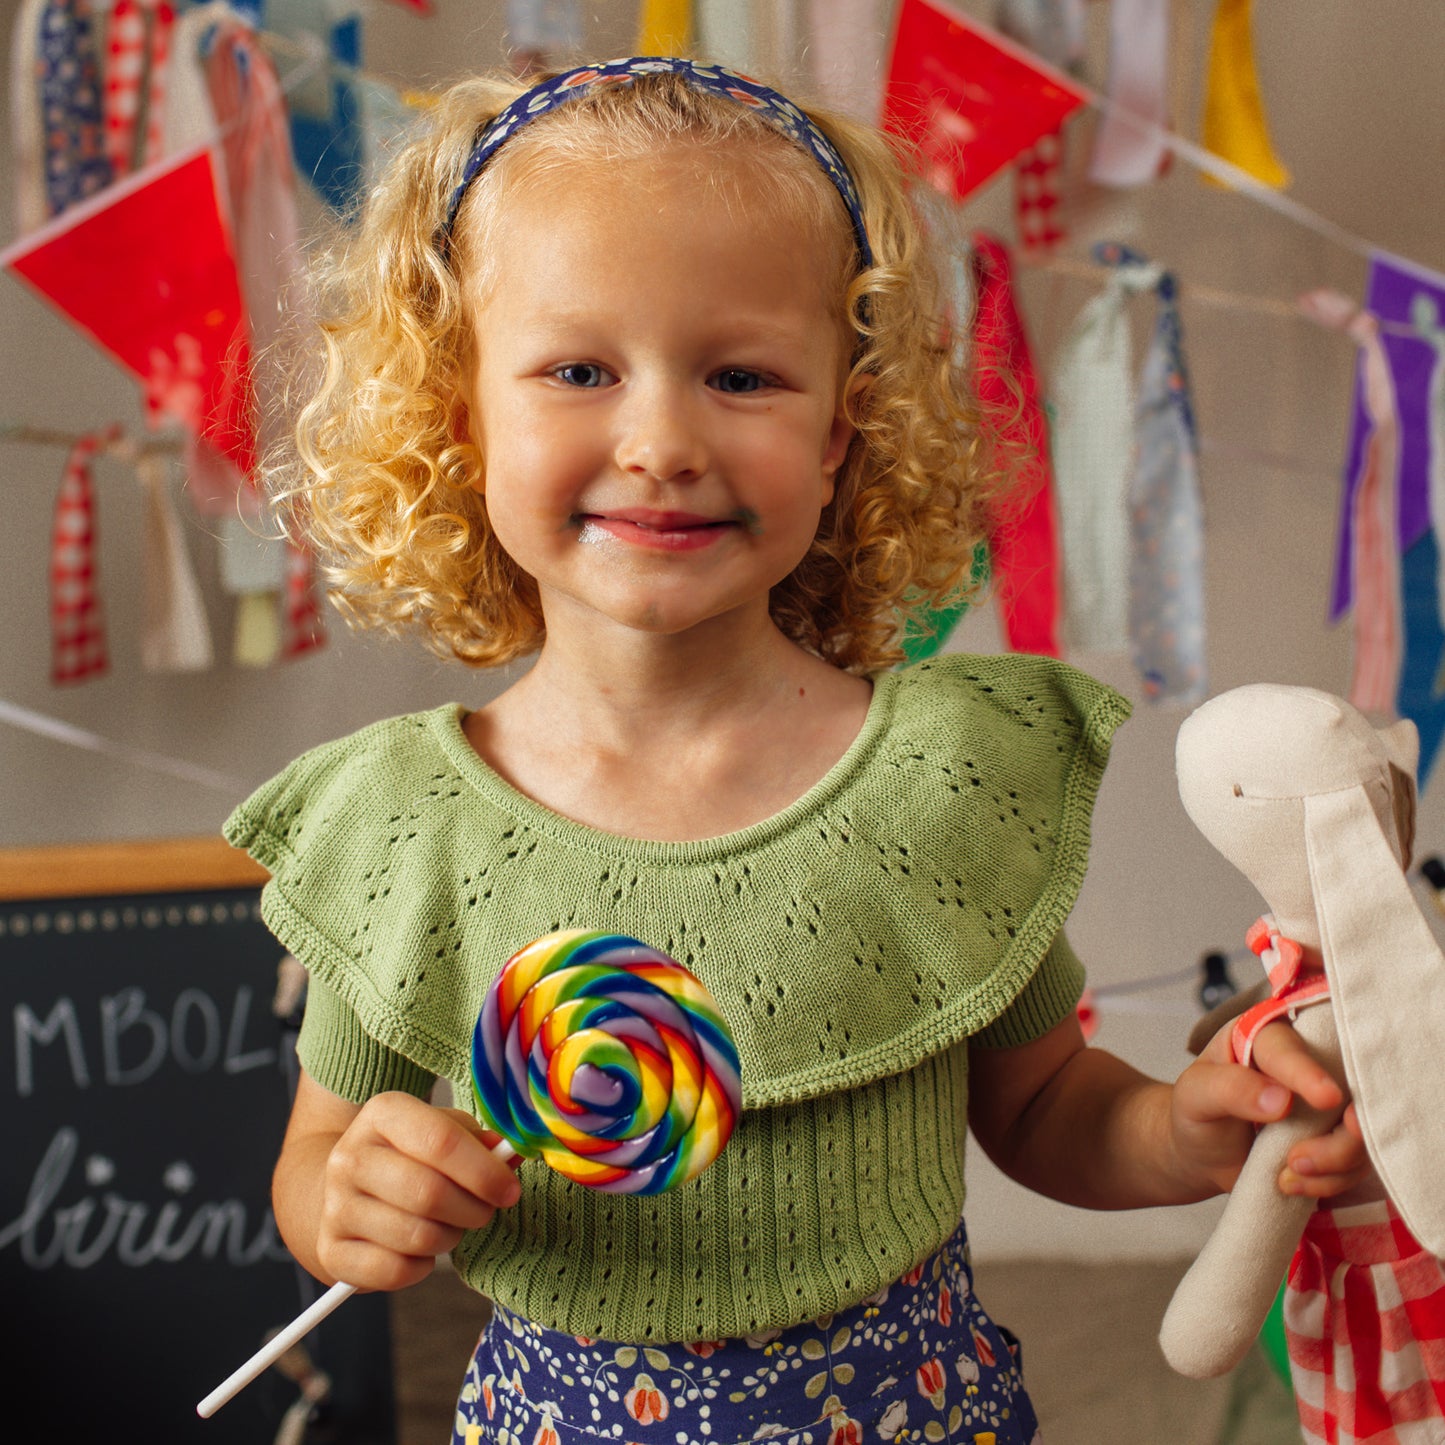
pixel 919 1361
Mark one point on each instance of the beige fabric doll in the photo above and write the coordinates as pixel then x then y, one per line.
pixel 1316 808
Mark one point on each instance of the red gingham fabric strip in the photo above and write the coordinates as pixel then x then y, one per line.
pixel 1038 204
pixel 1365 1325
pixel 77 623
pixel 302 626
pixel 161 20
pixel 123 72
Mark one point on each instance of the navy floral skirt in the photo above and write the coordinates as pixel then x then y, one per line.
pixel 919 1361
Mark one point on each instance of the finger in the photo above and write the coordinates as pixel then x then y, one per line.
pixel 467 1155
pixel 394 1230
pixel 419 1190
pixel 1280 1053
pixel 1209 1092
pixel 1336 1160
pixel 450 1142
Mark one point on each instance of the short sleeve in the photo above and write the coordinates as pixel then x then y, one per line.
pixel 342 1057
pixel 1045 1001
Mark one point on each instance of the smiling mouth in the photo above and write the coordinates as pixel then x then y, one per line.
pixel 661 531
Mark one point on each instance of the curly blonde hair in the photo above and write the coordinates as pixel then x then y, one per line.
pixel 381 478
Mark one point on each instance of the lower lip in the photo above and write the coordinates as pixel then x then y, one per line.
pixel 657 539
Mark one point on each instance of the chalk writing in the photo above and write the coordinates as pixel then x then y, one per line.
pixel 85 1231
pixel 137 1040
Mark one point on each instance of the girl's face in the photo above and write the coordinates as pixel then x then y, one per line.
pixel 657 394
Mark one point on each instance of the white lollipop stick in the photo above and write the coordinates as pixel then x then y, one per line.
pixel 302 1325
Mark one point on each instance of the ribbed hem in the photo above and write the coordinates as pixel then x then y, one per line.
pixel 1050 996
pixel 342 1057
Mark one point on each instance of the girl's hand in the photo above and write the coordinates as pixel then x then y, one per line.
pixel 402 1183
pixel 373 1192
pixel 1217 1103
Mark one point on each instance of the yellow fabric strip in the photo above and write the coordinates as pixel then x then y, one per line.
pixel 665 27
pixel 1234 123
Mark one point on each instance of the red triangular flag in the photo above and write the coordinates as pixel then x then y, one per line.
pixel 966 98
pixel 147 269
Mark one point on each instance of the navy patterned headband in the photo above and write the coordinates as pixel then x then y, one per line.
pixel 777 109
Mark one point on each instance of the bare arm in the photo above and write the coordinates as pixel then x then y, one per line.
pixel 1083 1127
pixel 373 1193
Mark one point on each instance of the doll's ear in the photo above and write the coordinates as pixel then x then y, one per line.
pixel 1387 985
pixel 1401 742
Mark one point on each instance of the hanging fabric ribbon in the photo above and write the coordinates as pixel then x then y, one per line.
pixel 26 136
pixel 845 48
pixel 176 636
pixel 1234 123
pixel 77 620
pixel 725 34
pixel 665 27
pixel 1054 31
pixel 253 571
pixel 1166 577
pixel 539 32
pixel 1093 445
pixel 1038 194
pixel 137 48
pixel 302 626
pixel 327 138
pixel 1374 512
pixel 1425 313
pixel 1023 544
pixel 1126 154
pixel 76 164
pixel 251 110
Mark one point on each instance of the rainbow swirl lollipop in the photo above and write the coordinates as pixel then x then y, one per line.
pixel 607 1059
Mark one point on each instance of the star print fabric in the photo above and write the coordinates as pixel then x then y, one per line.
pixel 920 1360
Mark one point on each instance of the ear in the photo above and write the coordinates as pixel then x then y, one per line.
pixel 1387 985
pixel 842 430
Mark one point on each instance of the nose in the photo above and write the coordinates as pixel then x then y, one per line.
pixel 659 434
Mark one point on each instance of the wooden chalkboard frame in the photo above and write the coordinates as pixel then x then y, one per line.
pixel 146 865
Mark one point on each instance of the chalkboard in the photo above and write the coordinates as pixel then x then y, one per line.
pixel 147 1083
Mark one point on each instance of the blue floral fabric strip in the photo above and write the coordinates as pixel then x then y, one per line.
pixel 918 1361
pixel 776 109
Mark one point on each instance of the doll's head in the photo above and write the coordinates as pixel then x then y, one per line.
pixel 390 473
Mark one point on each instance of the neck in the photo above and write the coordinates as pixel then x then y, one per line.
pixel 643 683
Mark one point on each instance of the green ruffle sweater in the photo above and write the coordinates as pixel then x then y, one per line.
pixel 909 902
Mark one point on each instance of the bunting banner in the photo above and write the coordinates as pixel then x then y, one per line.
pixel 1234 123
pixel 966 98
pixel 1126 154
pixel 1023 546
pixel 164 301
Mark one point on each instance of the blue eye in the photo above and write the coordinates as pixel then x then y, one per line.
pixel 736 381
pixel 582 374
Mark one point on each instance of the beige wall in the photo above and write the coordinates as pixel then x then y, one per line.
pixel 1355 109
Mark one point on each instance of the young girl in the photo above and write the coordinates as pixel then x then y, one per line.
pixel 644 375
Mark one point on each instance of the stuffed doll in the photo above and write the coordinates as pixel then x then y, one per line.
pixel 1316 808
